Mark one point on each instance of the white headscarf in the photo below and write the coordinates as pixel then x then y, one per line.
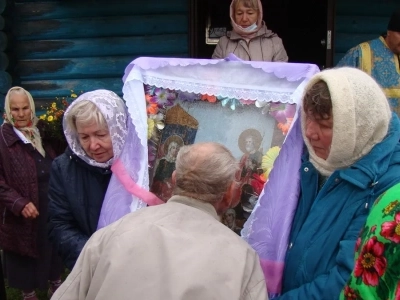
pixel 121 198
pixel 361 117
pixel 248 35
pixel 114 112
pixel 31 132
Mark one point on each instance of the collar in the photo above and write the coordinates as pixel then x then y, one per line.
pixel 201 205
pixel 21 136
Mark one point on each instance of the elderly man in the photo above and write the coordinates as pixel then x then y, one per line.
pixel 178 250
pixel 380 59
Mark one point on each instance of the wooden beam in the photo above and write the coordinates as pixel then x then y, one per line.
pixel 75 68
pixel 100 27
pixel 65 9
pixel 135 46
pixel 62 88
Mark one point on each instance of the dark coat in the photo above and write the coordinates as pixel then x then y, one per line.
pixel 18 187
pixel 76 194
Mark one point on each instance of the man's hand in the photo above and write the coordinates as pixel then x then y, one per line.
pixel 30 211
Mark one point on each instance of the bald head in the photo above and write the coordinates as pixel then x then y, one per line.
pixel 204 171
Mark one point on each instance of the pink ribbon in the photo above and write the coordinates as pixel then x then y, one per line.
pixel 132 187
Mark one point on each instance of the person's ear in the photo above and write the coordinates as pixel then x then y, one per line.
pixel 173 177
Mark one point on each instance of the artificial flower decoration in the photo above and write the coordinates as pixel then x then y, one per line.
pixel 231 102
pixel 267 162
pixel 246 102
pixel 186 96
pixel 209 98
pixel 282 113
pixel 154 121
pixel 163 97
pixel 285 127
pixel 151 108
pixel 371 264
pixel 262 104
pixel 258 183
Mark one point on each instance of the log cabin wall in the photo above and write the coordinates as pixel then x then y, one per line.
pixel 5 77
pixel 59 46
pixel 357 21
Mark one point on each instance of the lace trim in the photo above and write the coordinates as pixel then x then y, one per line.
pixel 218 90
pixel 290 71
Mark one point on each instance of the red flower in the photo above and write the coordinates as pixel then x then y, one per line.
pixel 349 293
pixel 391 230
pixel 371 264
pixel 397 294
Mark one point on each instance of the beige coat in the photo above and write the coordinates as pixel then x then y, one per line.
pixel 173 251
pixel 265 46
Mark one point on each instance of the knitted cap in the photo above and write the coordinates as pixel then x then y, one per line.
pixel 361 116
pixel 394 23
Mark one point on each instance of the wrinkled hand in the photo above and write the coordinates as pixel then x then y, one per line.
pixel 30 211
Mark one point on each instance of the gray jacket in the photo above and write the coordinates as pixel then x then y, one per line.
pixel 265 46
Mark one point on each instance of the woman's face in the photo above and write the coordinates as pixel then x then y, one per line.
pixel 319 132
pixel 245 16
pixel 96 141
pixel 20 109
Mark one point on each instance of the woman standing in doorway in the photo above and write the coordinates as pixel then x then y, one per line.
pixel 250 38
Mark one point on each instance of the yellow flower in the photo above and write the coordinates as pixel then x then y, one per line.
pixel 268 160
pixel 150 127
pixel 42 117
pixel 73 95
pixel 387 210
pixel 54 105
pixel 50 118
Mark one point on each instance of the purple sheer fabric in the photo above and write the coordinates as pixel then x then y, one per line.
pixel 118 201
pixel 290 71
pixel 267 230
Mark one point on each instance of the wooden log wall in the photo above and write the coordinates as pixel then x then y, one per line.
pixel 357 21
pixel 59 46
pixel 5 77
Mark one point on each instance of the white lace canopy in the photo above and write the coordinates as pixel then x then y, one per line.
pixel 262 81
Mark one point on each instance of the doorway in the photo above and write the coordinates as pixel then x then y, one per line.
pixel 305 27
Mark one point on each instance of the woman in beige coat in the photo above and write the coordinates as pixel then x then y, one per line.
pixel 250 39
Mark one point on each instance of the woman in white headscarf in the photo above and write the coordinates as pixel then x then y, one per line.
pixel 352 157
pixel 250 39
pixel 25 161
pixel 100 177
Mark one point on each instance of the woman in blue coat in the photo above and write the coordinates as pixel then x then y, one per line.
pixel 352 157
